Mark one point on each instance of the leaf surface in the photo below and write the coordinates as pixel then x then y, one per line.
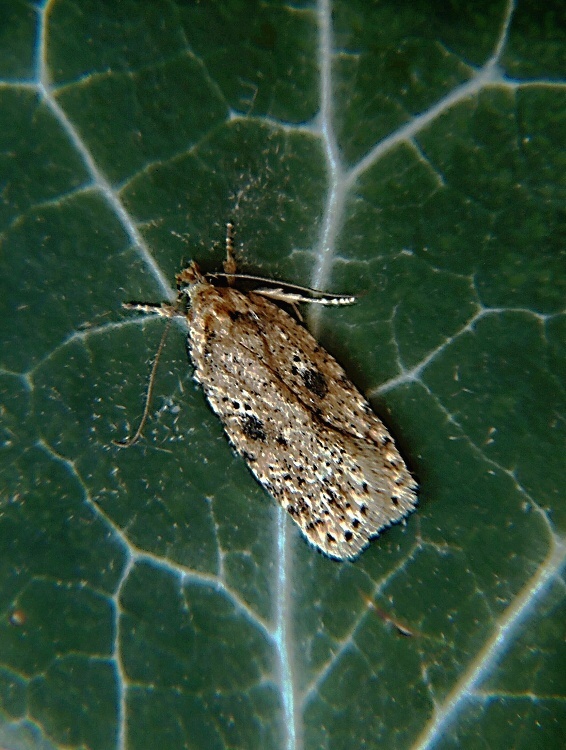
pixel 413 155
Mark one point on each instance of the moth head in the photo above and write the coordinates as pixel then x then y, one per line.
pixel 188 277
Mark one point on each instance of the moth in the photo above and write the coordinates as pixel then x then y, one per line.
pixel 288 408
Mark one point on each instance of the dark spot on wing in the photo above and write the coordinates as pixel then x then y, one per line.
pixel 253 428
pixel 315 382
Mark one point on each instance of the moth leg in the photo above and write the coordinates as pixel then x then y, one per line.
pixel 161 308
pixel 230 264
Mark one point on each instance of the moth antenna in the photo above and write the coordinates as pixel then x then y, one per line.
pixel 230 262
pixel 128 442
pixel 292 298
pixel 324 298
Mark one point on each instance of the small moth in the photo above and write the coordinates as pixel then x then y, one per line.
pixel 288 408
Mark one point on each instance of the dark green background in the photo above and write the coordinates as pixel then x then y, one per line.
pixel 155 597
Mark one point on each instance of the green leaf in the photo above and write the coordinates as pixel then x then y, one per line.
pixel 414 155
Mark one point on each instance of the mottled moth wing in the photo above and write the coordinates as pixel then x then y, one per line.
pixel 288 408
pixel 317 379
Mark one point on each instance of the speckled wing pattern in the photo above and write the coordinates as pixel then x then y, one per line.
pixel 305 431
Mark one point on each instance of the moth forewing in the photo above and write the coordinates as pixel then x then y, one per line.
pixel 306 433
pixel 288 408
